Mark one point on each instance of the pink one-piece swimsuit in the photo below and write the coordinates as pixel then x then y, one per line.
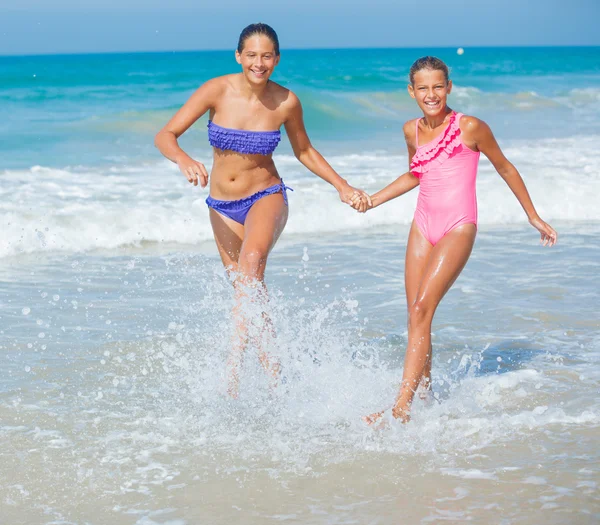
pixel 447 170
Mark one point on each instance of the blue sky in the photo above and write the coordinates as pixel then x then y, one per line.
pixel 69 26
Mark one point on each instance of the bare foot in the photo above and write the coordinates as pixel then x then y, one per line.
pixel 402 414
pixel 373 418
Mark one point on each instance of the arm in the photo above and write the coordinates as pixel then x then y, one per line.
pixel 477 133
pixel 400 186
pixel 312 159
pixel 199 103
pixel 405 182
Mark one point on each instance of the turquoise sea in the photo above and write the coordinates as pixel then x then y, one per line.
pixel 114 307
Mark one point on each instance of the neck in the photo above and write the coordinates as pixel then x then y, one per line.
pixel 437 120
pixel 251 90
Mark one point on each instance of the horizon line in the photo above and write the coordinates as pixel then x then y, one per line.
pixel 375 48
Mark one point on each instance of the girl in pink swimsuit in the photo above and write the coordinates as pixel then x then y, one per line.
pixel 443 148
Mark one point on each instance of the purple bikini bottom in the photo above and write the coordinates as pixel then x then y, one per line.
pixel 237 210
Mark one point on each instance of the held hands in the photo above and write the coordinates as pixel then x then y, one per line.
pixel 361 201
pixel 357 199
pixel 548 235
pixel 193 170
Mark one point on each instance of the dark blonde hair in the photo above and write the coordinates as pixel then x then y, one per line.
pixel 428 62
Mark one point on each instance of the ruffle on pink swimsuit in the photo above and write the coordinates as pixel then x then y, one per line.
pixel 447 170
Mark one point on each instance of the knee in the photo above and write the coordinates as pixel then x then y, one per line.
pixel 419 312
pixel 253 260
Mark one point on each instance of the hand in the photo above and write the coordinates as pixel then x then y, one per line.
pixel 356 198
pixel 193 170
pixel 362 202
pixel 548 235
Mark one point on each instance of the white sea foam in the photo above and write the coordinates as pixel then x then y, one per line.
pixel 134 414
pixel 80 208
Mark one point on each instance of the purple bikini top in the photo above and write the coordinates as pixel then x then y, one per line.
pixel 243 141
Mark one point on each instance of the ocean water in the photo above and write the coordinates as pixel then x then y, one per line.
pixel 114 307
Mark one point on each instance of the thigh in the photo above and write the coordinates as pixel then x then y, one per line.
pixel 447 259
pixel 229 235
pixel 418 250
pixel 264 224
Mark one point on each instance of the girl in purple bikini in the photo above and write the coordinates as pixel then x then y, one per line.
pixel 248 202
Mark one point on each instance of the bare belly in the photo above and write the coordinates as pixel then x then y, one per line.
pixel 236 176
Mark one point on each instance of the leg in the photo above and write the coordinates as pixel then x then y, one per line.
pixel 429 274
pixel 418 250
pixel 444 264
pixel 229 236
pixel 244 250
pixel 264 224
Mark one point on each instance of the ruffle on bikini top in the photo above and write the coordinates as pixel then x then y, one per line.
pixel 439 148
pixel 243 141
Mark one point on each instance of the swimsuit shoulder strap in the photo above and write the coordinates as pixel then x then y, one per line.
pixel 417 133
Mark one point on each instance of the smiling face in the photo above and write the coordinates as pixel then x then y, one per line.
pixel 430 89
pixel 258 58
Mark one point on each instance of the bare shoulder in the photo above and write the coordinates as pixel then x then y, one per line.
pixel 220 85
pixel 284 96
pixel 472 125
pixel 409 131
pixel 287 103
pixel 213 89
pixel 409 127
